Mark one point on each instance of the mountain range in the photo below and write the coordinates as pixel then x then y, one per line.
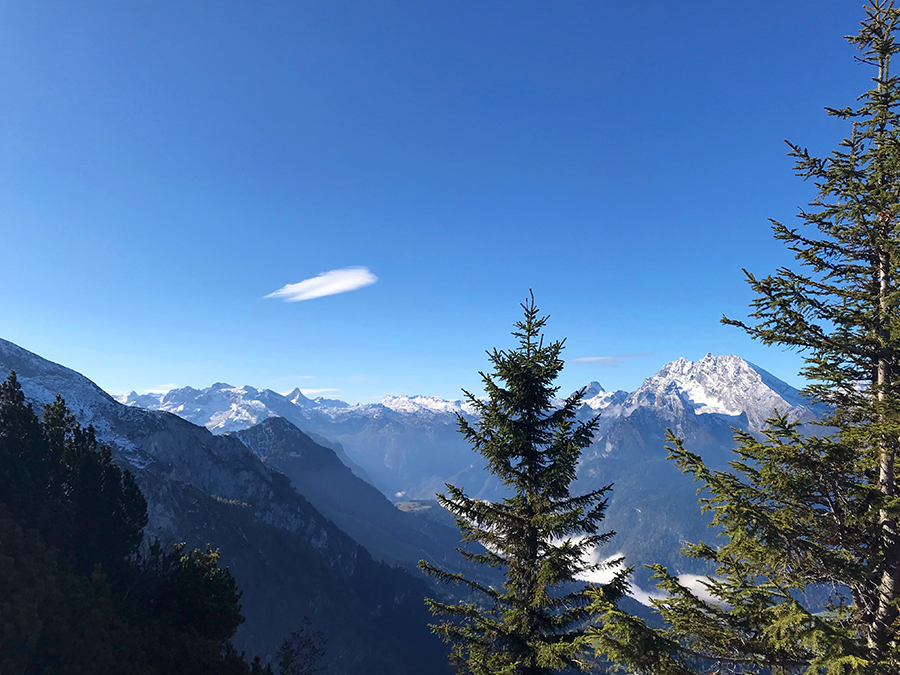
pixel 408 446
pixel 292 489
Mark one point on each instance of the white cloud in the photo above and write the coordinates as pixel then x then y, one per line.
pixel 611 360
pixel 609 566
pixel 327 283
pixel 307 392
pixel 616 563
pixel 699 585
pixel 695 583
pixel 162 388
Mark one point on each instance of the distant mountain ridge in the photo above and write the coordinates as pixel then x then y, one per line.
pixel 222 407
pixel 405 443
pixel 410 446
pixel 713 393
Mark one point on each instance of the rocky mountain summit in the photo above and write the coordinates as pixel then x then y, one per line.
pixel 718 385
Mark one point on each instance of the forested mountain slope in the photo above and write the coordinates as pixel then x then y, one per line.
pixel 289 560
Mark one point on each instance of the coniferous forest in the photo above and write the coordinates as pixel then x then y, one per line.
pixel 81 592
pixel 132 541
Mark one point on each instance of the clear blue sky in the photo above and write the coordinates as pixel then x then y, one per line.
pixel 166 165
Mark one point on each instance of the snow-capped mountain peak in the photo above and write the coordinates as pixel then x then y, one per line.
pixel 322 402
pixel 721 385
pixel 597 398
pixel 593 389
pixel 297 398
pixel 220 407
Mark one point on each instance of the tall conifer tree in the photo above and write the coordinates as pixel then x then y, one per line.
pixel 540 535
pixel 805 513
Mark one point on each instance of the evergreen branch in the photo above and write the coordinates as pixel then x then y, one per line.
pixel 456 579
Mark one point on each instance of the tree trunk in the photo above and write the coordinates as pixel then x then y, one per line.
pixel 886 610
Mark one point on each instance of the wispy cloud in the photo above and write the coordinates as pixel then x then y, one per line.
pixel 162 388
pixel 611 360
pixel 307 392
pixel 327 283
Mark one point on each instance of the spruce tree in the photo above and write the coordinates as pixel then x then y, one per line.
pixel 540 535
pixel 812 514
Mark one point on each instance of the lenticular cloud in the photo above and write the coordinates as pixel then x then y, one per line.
pixel 327 283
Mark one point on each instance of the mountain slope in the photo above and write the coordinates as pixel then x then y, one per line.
pixel 355 506
pixel 289 560
pixel 653 507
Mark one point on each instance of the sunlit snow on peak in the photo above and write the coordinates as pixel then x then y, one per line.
pixel 432 404
pixel 723 385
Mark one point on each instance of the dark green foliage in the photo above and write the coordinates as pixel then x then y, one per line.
pixel 56 478
pixel 76 594
pixel 540 535
pixel 301 652
pixel 50 616
pixel 188 604
pixel 194 595
pixel 815 515
pixel 100 512
pixel 257 667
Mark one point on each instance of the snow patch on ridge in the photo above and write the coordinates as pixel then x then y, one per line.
pixel 598 399
pixel 721 385
pixel 427 404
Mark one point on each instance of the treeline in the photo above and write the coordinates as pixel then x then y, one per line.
pixel 80 589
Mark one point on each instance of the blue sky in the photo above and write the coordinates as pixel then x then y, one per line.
pixel 164 166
